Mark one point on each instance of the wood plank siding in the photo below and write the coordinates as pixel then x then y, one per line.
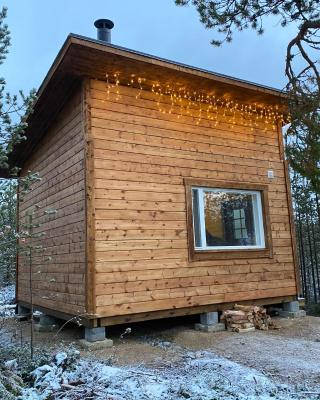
pixel 58 282
pixel 140 158
pixel 118 144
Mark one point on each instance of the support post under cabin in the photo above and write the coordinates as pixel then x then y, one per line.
pixel 95 334
pixel 95 338
pixel 22 311
pixel 47 323
pixel 291 309
pixel 209 322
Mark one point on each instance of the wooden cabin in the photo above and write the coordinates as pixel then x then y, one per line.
pixel 170 185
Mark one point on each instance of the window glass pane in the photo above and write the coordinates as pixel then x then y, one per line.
pixel 196 218
pixel 229 218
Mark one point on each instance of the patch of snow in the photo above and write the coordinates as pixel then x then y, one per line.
pixel 60 358
pixel 7 297
pixel 108 372
pixel 11 365
pixel 37 313
pixel 156 342
pixel 201 376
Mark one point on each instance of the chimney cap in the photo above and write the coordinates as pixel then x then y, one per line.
pixel 104 23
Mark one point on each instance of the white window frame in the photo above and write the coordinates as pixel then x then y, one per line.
pixel 257 218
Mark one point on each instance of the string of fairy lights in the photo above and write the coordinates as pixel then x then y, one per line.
pixel 180 101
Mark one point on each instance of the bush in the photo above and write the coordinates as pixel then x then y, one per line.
pixel 23 361
pixel 11 384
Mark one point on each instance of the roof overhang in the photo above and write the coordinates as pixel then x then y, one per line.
pixel 81 57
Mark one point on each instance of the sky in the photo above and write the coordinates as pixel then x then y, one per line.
pixel 39 28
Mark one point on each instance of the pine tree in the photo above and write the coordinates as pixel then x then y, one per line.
pixel 303 85
pixel 14 111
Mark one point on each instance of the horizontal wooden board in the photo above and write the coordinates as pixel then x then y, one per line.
pixel 171 283
pixel 139 205
pixel 141 159
pixel 192 301
pixel 59 268
pixel 191 123
pixel 279 262
pixel 184 292
pixel 162 243
pixel 129 95
pixel 174 139
pixel 113 151
pixel 176 145
pixel 193 169
pixel 189 272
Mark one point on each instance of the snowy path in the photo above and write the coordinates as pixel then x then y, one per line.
pixel 201 376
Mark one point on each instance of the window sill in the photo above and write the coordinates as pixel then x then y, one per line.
pixel 229 248
pixel 203 255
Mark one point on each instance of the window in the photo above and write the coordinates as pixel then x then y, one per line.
pixel 227 220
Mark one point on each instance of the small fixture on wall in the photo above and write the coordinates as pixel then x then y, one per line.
pixel 270 174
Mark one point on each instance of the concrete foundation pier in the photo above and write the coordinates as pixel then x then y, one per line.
pixel 291 309
pixel 209 322
pixel 21 310
pixel 22 313
pixel 47 323
pixel 95 339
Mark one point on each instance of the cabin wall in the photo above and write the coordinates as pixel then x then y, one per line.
pixel 59 271
pixel 141 157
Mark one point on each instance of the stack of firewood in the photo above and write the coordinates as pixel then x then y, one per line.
pixel 247 318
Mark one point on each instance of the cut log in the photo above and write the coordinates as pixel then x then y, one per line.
pixel 244 318
pixel 242 330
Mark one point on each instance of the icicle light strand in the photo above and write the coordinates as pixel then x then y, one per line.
pixel 180 101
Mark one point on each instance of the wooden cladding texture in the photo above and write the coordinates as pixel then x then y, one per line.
pixel 58 272
pixel 141 157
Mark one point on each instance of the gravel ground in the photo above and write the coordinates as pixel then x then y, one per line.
pixel 289 355
pixel 200 375
pixel 150 359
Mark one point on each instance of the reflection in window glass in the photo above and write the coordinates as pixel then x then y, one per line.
pixel 229 219
pixel 225 218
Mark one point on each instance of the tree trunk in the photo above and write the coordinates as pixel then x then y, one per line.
pixel 312 263
pixel 302 259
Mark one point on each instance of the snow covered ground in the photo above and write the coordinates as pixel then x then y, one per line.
pixel 201 376
pixel 175 366
pixel 7 296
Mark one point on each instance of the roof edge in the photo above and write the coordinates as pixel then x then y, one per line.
pixel 181 66
pixel 56 62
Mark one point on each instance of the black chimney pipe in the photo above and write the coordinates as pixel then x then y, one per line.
pixel 104 27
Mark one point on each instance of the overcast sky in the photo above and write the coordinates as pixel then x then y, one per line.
pixel 39 28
